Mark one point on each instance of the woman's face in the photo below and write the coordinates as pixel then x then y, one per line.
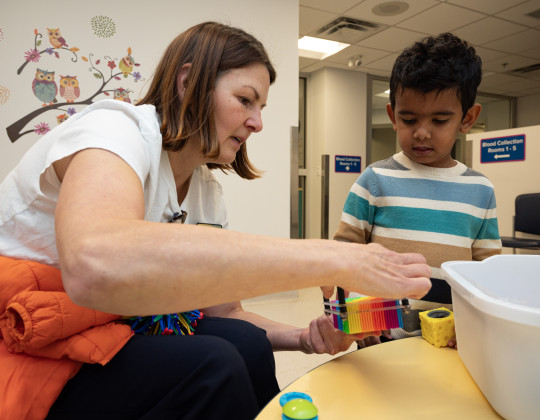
pixel 239 98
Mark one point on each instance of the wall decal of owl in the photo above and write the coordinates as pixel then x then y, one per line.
pixel 122 94
pixel 61 118
pixel 69 88
pixel 126 65
pixel 55 38
pixel 44 87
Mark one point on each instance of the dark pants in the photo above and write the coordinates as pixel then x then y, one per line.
pixel 225 371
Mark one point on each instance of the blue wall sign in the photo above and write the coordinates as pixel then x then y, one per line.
pixel 502 149
pixel 348 163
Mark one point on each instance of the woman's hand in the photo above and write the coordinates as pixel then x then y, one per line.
pixel 377 271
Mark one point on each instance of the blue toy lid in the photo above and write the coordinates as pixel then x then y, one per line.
pixel 285 398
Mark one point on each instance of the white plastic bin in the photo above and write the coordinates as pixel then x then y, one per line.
pixel 497 316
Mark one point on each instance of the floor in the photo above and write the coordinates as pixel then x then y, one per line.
pixel 296 308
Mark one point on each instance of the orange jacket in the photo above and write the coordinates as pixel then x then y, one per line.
pixel 45 338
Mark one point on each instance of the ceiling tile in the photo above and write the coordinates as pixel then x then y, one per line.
pixel 313 67
pixel 368 55
pixel 365 11
pixel 377 72
pixel 335 6
pixel 441 18
pixel 304 62
pixel 518 13
pixel 498 29
pixel 311 20
pixel 487 55
pixel 486 6
pixel 532 53
pixel 516 43
pixel 340 30
pixel 385 63
pixel 392 39
pixel 487 30
pixel 508 63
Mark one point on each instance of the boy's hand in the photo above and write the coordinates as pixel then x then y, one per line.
pixel 373 340
pixel 321 337
pixel 453 341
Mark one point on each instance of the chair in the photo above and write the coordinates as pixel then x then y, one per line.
pixel 526 220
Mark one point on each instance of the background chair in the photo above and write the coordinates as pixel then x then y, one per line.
pixel 526 220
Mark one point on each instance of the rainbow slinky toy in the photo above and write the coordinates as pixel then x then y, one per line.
pixel 365 313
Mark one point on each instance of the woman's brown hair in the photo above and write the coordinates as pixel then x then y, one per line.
pixel 212 48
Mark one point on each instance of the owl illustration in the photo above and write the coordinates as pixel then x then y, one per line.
pixel 126 65
pixel 56 39
pixel 44 87
pixel 61 118
pixel 122 94
pixel 69 88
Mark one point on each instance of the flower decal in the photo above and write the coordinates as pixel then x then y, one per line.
pixel 103 26
pixel 42 128
pixel 32 56
pixel 4 95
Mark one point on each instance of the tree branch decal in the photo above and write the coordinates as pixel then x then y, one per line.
pixel 107 71
pixel 33 55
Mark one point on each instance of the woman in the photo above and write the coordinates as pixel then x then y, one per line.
pixel 107 181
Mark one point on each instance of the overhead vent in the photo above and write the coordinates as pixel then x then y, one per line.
pixel 349 30
pixel 535 14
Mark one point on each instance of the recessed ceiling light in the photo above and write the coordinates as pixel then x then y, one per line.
pixel 318 48
pixel 390 8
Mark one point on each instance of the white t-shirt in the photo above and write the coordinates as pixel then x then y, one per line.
pixel 29 193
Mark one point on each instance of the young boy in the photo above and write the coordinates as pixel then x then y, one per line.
pixel 421 199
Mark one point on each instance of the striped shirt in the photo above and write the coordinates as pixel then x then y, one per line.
pixel 446 214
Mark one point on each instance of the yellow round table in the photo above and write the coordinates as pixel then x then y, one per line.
pixel 402 379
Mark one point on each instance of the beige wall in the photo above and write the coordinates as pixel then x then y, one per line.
pixel 528 110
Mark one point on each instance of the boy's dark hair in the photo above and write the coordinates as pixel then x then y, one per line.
pixel 438 63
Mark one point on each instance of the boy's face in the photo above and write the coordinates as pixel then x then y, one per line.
pixel 427 124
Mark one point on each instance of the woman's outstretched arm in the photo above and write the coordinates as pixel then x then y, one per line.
pixel 113 260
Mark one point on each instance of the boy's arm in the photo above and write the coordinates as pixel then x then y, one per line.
pixel 488 241
pixel 349 233
pixel 319 337
pixel 358 213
